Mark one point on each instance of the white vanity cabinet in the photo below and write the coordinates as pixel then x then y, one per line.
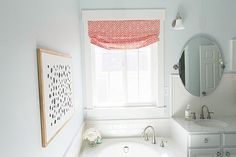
pixel 212 145
pixel 200 141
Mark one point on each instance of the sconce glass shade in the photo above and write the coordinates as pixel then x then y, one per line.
pixel 177 24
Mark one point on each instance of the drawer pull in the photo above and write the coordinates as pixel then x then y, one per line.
pixel 227 153
pixel 218 154
pixel 205 140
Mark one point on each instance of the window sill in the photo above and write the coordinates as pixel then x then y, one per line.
pixel 120 113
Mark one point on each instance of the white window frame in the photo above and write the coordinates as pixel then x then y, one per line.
pixel 92 112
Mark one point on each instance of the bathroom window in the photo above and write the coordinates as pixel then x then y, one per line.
pixel 125 78
pixel 124 63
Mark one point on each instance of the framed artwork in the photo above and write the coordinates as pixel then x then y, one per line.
pixel 55 92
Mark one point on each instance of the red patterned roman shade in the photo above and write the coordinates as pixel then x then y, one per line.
pixel 124 34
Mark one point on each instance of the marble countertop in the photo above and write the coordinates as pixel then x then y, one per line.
pixel 192 127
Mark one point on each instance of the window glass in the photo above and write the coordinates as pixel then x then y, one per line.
pixel 124 77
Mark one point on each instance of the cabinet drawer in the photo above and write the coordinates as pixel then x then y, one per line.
pixel 204 140
pixel 216 152
pixel 229 139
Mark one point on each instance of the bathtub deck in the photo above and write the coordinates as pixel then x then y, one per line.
pixel 171 149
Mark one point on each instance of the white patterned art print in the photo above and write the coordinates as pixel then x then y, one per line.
pixel 56 92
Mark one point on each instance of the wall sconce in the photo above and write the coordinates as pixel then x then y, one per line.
pixel 177 23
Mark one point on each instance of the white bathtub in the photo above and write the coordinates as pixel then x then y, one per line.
pixel 127 148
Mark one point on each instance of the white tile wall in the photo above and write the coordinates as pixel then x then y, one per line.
pixel 222 101
pixel 130 128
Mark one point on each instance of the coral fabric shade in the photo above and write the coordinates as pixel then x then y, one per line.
pixel 124 34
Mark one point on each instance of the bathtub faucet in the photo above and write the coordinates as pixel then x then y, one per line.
pixel 145 135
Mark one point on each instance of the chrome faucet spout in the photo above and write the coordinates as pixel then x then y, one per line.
pixel 153 134
pixel 202 112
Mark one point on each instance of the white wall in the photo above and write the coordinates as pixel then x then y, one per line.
pixel 214 17
pixel 24 26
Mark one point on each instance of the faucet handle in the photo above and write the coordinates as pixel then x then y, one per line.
pixel 193 115
pixel 209 115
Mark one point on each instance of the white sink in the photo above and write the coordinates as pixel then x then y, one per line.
pixel 211 123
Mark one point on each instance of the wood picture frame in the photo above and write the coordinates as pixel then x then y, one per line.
pixel 55 92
